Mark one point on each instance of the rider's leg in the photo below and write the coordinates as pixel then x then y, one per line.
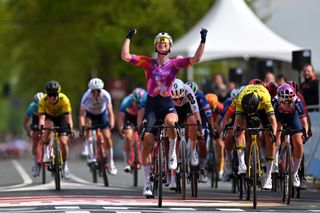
pixel 127 136
pixel 109 149
pixel 220 155
pixel 170 120
pixel 147 147
pixel 297 152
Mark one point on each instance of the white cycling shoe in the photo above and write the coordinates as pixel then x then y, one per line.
pixel 147 191
pixel 173 161
pixel 194 158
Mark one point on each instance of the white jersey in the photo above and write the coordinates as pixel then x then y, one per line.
pixel 96 106
pixel 189 98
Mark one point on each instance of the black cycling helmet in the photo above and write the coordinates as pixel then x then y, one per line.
pixel 250 103
pixel 52 88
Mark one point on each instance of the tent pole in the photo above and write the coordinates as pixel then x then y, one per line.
pixel 190 70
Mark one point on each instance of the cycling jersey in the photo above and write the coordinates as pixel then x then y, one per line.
pixel 160 78
pixel 203 104
pixel 32 111
pixel 62 106
pixel 189 98
pixel 128 105
pixel 96 106
pixel 288 109
pixel 263 94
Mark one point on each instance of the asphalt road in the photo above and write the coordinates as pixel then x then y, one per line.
pixel 20 192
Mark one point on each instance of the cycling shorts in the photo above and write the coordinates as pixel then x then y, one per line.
pixel 100 120
pixel 292 120
pixel 59 121
pixel 184 112
pixel 130 120
pixel 156 109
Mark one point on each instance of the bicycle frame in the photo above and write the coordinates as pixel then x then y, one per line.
pixel 99 154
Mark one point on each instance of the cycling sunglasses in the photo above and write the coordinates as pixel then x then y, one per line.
pixel 163 39
pixel 52 94
pixel 95 91
pixel 177 99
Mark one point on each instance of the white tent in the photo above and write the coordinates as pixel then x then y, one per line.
pixel 234 32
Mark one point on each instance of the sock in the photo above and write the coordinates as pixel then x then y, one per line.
pixel 125 158
pixel 203 163
pixel 111 156
pixel 276 157
pixel 269 165
pixel 296 165
pixel 89 143
pixel 172 146
pixel 240 153
pixel 147 170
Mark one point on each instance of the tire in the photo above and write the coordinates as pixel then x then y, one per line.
pixel 194 181
pixel 104 175
pixel 135 164
pixel 160 173
pixel 183 171
pixel 43 167
pixel 254 174
pixel 93 169
pixel 57 165
pixel 214 168
pixel 287 178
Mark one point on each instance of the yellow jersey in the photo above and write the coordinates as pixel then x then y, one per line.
pixel 264 96
pixel 61 107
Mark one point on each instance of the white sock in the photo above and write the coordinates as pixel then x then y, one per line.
pixel 125 158
pixel 89 143
pixel 172 146
pixel 240 153
pixel 276 157
pixel 111 156
pixel 203 163
pixel 296 165
pixel 173 178
pixel 269 168
pixel 147 170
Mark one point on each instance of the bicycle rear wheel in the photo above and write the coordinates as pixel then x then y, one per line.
pixel 135 164
pixel 93 169
pixel 287 178
pixel 160 173
pixel 43 166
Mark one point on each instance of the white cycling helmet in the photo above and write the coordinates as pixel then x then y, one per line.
pixel 96 83
pixel 177 90
pixel 38 96
pixel 163 35
pixel 194 86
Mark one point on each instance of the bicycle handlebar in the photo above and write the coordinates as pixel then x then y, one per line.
pixel 256 130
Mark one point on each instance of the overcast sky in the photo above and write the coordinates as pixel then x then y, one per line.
pixel 298 21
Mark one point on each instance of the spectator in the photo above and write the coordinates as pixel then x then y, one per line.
pixel 281 79
pixel 218 87
pixel 269 77
pixel 310 87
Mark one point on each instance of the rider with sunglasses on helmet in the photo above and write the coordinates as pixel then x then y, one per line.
pixel 96 110
pixel 55 110
pixel 160 74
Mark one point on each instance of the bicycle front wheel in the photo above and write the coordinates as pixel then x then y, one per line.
pixel 287 178
pixel 254 174
pixel 160 174
pixel 183 169
pixel 56 165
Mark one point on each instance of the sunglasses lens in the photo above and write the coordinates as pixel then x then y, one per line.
pixel 163 39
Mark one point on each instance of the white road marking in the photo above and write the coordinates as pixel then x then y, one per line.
pixel 231 210
pixel 67 207
pixel 115 208
pixel 183 209
pixel 24 175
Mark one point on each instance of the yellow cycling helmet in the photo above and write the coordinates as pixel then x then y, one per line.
pixel 212 99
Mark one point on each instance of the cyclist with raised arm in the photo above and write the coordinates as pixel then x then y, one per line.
pixel 96 110
pixel 207 122
pixel 289 110
pixel 127 121
pixel 160 75
pixel 55 110
pixel 187 108
pixel 32 130
pixel 255 100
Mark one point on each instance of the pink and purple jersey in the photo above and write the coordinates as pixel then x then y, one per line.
pixel 160 78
